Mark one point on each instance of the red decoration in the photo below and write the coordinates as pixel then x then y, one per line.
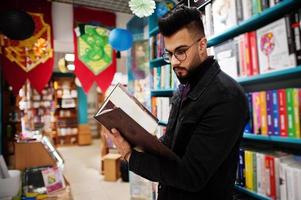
pixel 84 74
pixel 32 58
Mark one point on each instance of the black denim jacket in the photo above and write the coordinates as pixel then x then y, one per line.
pixel 204 131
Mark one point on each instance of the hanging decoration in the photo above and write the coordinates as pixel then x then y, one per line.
pixel 164 6
pixel 142 8
pixel 16 24
pixel 121 39
pixel 31 58
pixel 95 59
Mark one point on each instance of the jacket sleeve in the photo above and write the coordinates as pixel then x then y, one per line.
pixel 212 141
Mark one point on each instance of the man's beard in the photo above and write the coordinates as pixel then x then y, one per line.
pixel 190 73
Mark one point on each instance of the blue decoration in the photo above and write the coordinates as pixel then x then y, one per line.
pixel 164 7
pixel 121 39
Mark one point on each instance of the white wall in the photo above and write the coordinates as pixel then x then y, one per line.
pixel 121 21
pixel 62 23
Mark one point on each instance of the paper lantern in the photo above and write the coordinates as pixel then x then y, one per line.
pixel 142 8
pixel 16 24
pixel 120 39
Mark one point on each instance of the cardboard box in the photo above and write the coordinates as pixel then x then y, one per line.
pixel 84 139
pixel 111 167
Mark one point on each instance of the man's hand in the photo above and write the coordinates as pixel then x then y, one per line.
pixel 122 145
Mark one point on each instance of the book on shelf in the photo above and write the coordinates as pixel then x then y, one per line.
pixel 275 112
pixel 273 44
pixel 136 124
pixel 272 174
pixel 226 55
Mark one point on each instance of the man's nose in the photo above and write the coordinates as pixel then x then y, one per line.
pixel 174 61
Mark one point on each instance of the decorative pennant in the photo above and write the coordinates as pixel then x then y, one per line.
pixel 94 49
pixel 32 58
pixel 95 59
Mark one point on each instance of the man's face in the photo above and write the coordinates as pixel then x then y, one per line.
pixel 191 52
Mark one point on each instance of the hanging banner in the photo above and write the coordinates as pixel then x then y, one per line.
pixel 95 59
pixel 31 58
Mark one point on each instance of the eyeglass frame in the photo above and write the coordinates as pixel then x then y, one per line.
pixel 167 55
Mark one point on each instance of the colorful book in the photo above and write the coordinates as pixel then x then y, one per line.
pixel 296 112
pixel 272 45
pixel 53 179
pixel 290 112
pixel 249 169
pixel 270 119
pixel 276 129
pixel 256 112
pixel 263 113
pixel 249 126
pixel 283 120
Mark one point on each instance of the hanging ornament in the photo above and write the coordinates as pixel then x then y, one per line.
pixel 142 8
pixel 120 39
pixel 16 24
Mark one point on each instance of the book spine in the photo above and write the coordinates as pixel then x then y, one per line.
pixel 270 118
pixel 259 166
pixel 282 181
pixel 248 61
pixel 239 11
pixel 272 177
pixel 254 53
pixel 249 126
pixel 254 167
pixel 283 120
pixel 275 104
pixel 249 169
pixel 255 123
pixel 263 112
pixel 296 112
pixel 290 112
pixel 268 175
pixel 296 31
pixel 241 168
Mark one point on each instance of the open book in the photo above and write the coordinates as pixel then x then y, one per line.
pixel 135 123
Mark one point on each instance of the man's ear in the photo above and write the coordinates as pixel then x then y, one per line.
pixel 203 44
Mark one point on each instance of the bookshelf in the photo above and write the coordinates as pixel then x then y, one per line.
pixel 286 78
pixel 251 193
pixel 256 21
pixel 251 136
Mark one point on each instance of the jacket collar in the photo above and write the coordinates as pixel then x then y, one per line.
pixel 211 69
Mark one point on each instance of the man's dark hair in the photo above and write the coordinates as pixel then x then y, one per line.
pixel 181 17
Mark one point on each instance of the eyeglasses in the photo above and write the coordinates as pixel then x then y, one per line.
pixel 180 53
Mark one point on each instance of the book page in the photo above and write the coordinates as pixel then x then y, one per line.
pixel 122 100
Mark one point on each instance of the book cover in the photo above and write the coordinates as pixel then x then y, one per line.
pixel 224 15
pixel 53 179
pixel 283 123
pixel 272 45
pixel 225 53
pixel 137 125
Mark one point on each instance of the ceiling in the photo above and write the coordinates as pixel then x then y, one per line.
pixel 110 5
